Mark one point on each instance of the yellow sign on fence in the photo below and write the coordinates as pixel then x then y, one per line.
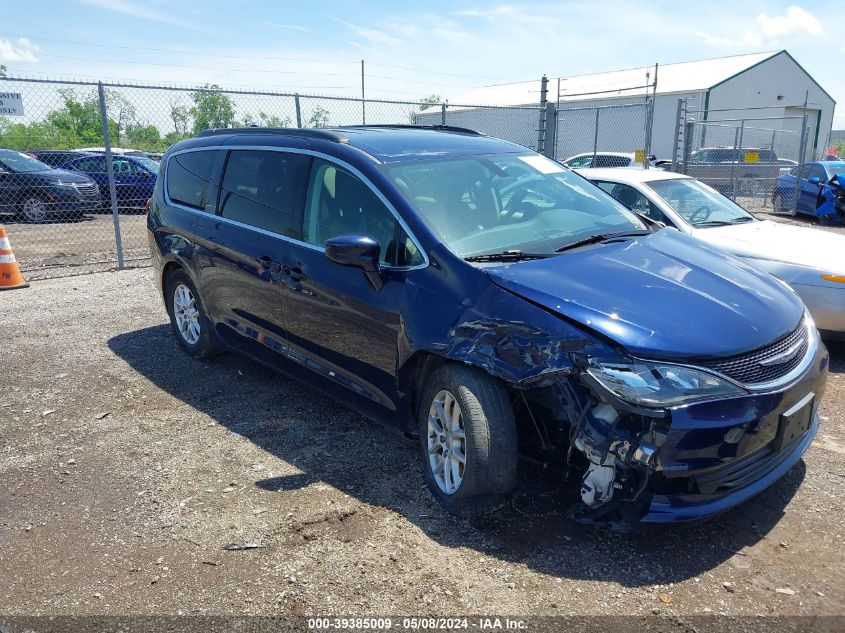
pixel 639 156
pixel 751 157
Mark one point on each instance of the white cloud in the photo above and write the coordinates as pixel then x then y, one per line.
pixel 373 36
pixel 769 29
pixel 508 12
pixel 127 7
pixel 796 21
pixel 21 50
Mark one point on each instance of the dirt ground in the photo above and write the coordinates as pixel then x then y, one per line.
pixel 75 245
pixel 126 468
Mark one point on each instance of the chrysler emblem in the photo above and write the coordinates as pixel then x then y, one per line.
pixel 784 357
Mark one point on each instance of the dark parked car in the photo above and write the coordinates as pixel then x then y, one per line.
pixel 490 301
pixel 35 192
pixel 55 157
pixel 134 177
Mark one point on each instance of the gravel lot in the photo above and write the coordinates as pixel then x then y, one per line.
pixel 126 467
pixel 72 246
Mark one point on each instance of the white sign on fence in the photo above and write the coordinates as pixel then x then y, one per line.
pixel 11 103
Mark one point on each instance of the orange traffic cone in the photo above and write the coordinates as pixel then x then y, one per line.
pixel 10 273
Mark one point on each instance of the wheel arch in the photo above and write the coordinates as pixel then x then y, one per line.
pixel 411 379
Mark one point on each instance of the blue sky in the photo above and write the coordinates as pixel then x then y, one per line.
pixel 411 49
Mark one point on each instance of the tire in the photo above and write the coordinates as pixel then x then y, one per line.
pixel 482 483
pixel 188 321
pixel 778 205
pixel 34 209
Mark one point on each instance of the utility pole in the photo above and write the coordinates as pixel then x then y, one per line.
pixel 363 102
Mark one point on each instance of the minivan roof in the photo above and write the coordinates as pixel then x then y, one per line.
pixel 390 143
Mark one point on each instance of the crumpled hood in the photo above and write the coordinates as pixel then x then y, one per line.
pixel 777 241
pixel 665 295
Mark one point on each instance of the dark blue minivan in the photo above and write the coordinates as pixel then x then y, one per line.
pixel 494 304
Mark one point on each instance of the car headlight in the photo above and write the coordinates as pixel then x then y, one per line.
pixel 659 385
pixel 65 184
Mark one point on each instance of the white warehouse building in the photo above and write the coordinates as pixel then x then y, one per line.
pixel 765 90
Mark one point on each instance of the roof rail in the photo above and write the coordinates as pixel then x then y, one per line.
pixel 323 134
pixel 405 126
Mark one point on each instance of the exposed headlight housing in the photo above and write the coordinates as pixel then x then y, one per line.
pixel 659 385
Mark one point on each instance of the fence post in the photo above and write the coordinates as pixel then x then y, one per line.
pixel 443 114
pixel 649 112
pixel 734 163
pixel 110 172
pixel 550 139
pixel 541 126
pixel 689 130
pixel 596 139
pixel 298 111
pixel 678 116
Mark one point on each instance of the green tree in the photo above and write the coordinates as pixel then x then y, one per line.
pixel 271 120
pixel 430 102
pixel 319 118
pixel 211 109
pixel 2 70
pixel 75 124
pixel 144 137
pixel 181 118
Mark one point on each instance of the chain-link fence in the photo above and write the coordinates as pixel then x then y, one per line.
pixel 742 158
pixel 603 136
pixel 78 160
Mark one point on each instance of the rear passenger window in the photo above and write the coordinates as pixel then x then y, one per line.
pixel 94 164
pixel 189 178
pixel 339 203
pixel 261 188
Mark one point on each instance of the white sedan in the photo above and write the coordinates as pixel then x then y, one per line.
pixel 810 260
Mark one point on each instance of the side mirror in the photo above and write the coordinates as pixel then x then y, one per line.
pixel 360 251
pixel 814 180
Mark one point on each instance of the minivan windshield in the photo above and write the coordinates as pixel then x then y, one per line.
pixel 494 203
pixel 698 204
pixel 21 163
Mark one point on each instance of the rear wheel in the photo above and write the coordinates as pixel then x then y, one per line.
pixel 779 205
pixel 468 440
pixel 190 325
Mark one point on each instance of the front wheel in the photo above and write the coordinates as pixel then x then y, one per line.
pixel 34 209
pixel 188 321
pixel 468 440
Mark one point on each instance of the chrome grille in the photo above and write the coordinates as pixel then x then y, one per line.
pixel 87 188
pixel 747 368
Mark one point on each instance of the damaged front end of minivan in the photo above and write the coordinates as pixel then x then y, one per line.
pixel 646 441
pixel 570 418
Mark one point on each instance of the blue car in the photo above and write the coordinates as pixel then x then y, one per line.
pixel 820 189
pixel 493 304
pixel 134 177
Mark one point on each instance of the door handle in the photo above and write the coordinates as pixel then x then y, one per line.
pixel 268 264
pixel 295 273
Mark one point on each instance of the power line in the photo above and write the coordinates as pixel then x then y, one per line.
pixel 248 57
pixel 165 86
pixel 245 70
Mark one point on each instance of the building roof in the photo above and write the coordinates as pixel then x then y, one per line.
pixel 671 78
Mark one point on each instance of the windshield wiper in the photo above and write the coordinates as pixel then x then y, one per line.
pixel 714 223
pixel 601 237
pixel 505 256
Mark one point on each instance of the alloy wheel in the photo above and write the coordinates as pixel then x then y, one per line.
pixel 446 442
pixel 34 210
pixel 186 314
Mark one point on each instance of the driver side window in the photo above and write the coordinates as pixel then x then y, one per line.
pixel 339 203
pixel 634 200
